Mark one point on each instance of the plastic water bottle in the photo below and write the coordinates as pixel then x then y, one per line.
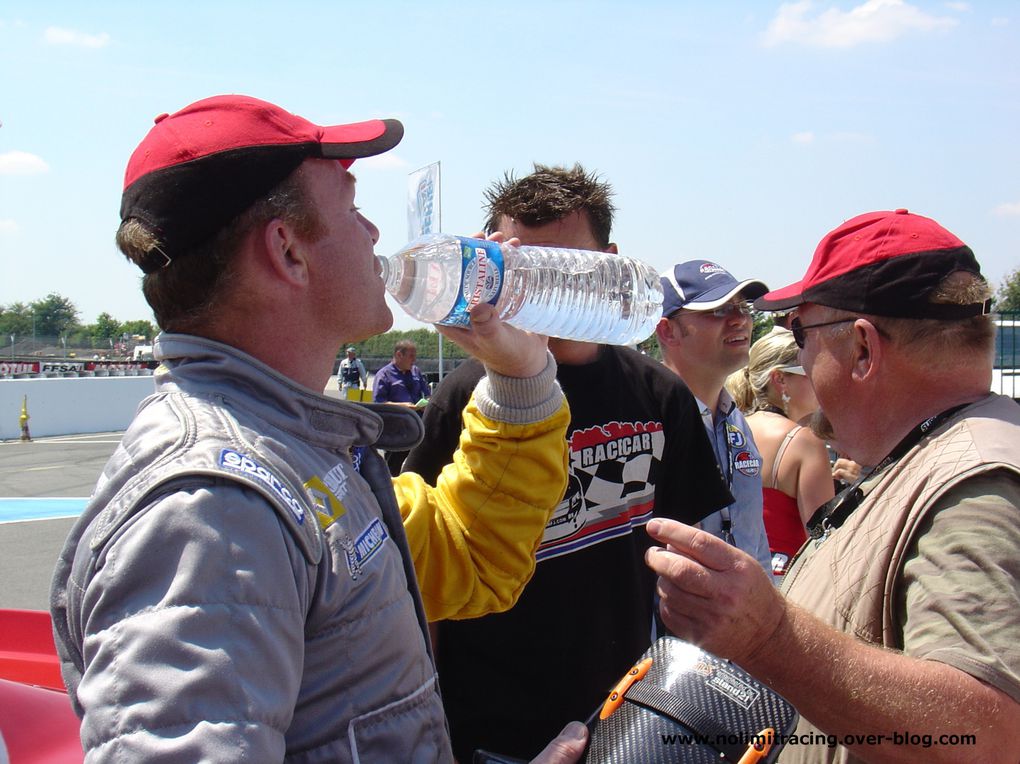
pixel 569 293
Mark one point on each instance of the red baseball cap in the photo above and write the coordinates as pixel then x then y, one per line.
pixel 201 167
pixel 883 263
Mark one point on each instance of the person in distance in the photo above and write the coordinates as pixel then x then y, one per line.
pixel 775 395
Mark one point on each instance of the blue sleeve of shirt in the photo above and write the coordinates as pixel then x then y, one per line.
pixel 421 384
pixel 381 387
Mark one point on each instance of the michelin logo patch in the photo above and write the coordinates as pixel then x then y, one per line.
pixel 365 547
pixel 245 465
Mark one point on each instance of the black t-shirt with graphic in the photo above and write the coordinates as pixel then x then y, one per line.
pixel 510 681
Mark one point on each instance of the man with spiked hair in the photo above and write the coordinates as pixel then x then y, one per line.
pixel 637 450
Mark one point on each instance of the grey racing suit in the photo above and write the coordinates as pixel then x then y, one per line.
pixel 238 590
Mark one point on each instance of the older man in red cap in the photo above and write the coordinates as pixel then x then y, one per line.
pixel 241 585
pixel 896 633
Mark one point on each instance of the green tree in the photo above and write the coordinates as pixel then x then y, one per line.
pixel 381 345
pixel 763 323
pixel 106 327
pixel 16 319
pixel 650 347
pixel 1008 296
pixel 54 315
pixel 144 328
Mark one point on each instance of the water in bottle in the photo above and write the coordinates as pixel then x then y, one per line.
pixel 569 293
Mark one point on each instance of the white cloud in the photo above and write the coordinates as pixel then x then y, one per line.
pixel 61 36
pixel 1000 21
pixel 806 137
pixel 962 7
pixel 8 226
pixel 21 163
pixel 872 21
pixel 387 161
pixel 1008 210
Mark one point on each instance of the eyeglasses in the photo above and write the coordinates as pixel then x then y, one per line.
pixel 723 311
pixel 798 328
pixel 732 308
pixel 798 369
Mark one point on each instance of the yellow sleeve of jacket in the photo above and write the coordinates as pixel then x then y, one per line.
pixel 473 536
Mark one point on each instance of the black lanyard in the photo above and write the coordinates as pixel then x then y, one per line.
pixel 835 512
pixel 725 521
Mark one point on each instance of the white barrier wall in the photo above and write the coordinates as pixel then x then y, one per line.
pixel 65 406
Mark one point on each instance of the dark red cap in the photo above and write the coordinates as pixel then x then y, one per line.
pixel 204 165
pixel 885 264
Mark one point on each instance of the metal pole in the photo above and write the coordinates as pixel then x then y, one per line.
pixel 439 227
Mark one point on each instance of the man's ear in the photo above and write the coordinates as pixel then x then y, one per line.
pixel 866 351
pixel 667 332
pixel 284 254
pixel 612 249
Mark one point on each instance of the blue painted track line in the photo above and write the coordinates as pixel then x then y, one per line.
pixel 42 508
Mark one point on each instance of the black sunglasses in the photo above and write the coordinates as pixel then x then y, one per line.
pixel 798 328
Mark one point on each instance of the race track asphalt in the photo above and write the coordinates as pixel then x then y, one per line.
pixel 30 537
pixel 31 532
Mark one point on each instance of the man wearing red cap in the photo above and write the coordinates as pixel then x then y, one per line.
pixel 897 635
pixel 240 586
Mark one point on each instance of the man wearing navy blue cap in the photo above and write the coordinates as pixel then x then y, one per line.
pixel 705 335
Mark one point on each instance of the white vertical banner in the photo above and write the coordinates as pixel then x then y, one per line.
pixel 423 213
pixel 423 202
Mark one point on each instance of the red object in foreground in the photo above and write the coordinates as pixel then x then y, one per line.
pixel 27 653
pixel 38 725
pixel 37 722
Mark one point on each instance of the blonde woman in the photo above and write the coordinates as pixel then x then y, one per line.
pixel 776 396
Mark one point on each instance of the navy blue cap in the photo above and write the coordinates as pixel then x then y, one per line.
pixel 704 285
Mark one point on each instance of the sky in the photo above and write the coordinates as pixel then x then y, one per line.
pixel 739 132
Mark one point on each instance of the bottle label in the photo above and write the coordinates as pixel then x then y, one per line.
pixel 481 278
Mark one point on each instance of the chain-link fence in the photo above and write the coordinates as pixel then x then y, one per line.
pixel 1006 368
pixel 47 355
pixel 30 346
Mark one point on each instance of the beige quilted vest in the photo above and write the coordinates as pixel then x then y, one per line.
pixel 849 581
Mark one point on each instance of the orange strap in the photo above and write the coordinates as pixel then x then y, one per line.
pixel 758 750
pixel 615 699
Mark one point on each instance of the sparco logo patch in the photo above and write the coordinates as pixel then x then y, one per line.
pixel 245 465
pixel 747 463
